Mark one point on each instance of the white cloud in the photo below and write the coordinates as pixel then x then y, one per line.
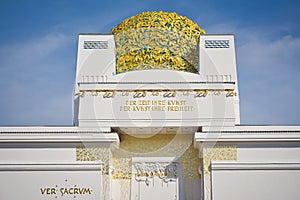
pixel 34 49
pixel 41 47
pixel 37 81
pixel 268 73
pixel 261 52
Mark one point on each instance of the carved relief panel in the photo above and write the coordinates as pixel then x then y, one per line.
pixel 155 178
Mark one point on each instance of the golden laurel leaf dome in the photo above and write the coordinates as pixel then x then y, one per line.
pixel 157 40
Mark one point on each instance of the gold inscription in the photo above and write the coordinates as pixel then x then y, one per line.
pixel 65 191
pixel 156 105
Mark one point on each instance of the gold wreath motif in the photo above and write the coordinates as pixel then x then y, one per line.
pixel 157 40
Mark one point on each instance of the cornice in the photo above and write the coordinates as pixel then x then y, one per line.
pixel 59 137
pixel 94 166
pixel 253 136
pixel 225 165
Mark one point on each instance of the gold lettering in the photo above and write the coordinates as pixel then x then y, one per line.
pixel 124 108
pixel 144 102
pixel 80 190
pixel 158 108
pixel 64 191
pixel 87 191
pixel 131 102
pixel 48 191
pixel 43 190
pixel 53 191
pixel 180 108
pixel 141 108
pixel 177 102
pixel 159 102
pixel 156 105
pixel 71 191
pixel 76 191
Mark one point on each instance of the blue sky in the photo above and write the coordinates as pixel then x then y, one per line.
pixel 38 52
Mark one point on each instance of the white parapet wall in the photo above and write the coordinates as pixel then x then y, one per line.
pixel 54 163
pixel 46 181
pixel 255 180
pixel 158 97
pixel 250 162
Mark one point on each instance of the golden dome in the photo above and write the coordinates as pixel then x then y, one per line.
pixel 157 40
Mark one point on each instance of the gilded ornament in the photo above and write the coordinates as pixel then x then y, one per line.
pixel 157 40
pixel 139 94
pixel 218 153
pixel 109 94
pixel 231 93
pixel 201 93
pixel 170 94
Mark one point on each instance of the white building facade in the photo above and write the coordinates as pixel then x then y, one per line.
pixel 152 134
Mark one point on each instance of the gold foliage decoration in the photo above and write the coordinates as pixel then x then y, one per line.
pixel 218 153
pixel 157 40
pixel 159 145
pixel 102 154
